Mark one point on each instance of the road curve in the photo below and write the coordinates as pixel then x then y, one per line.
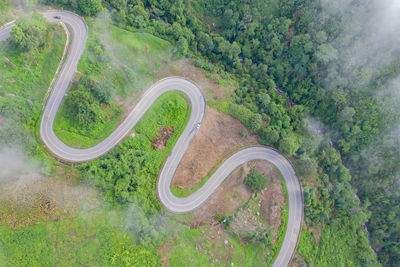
pixel 198 104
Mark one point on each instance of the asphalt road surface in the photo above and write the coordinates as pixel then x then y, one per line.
pixel 198 105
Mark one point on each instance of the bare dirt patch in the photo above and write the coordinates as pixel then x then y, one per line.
pixel 159 141
pixel 248 219
pixel 218 137
pixel 2 119
pixel 163 251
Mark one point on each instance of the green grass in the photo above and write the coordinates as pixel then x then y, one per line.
pixel 307 246
pixel 184 253
pixel 185 250
pixel 32 72
pixel 161 115
pixel 140 41
pixel 130 60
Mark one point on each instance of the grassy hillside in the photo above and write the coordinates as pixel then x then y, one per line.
pixel 24 80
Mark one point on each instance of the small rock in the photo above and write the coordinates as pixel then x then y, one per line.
pixel 258 214
pixel 231 263
pixel 226 242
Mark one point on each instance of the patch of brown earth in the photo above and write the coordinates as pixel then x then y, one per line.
pixel 248 219
pixel 159 141
pixel 272 198
pixel 218 136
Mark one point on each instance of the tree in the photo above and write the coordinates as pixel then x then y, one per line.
pixel 205 43
pixel 268 136
pixel 255 180
pixel 28 33
pixel 305 167
pixel 83 108
pixel 104 91
pixel 262 236
pixel 347 114
pixel 326 53
pixel 255 122
pixel 90 7
pixel 182 48
pixel 287 146
pixel 264 99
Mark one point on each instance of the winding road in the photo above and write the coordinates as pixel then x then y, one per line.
pixel 172 203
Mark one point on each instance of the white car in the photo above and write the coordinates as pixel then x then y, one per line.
pixel 197 125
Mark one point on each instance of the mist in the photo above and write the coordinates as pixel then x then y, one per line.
pixel 368 44
pixel 369 39
pixel 13 166
pixel 366 78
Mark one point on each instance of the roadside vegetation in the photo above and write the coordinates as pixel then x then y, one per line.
pixel 24 80
pixel 255 180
